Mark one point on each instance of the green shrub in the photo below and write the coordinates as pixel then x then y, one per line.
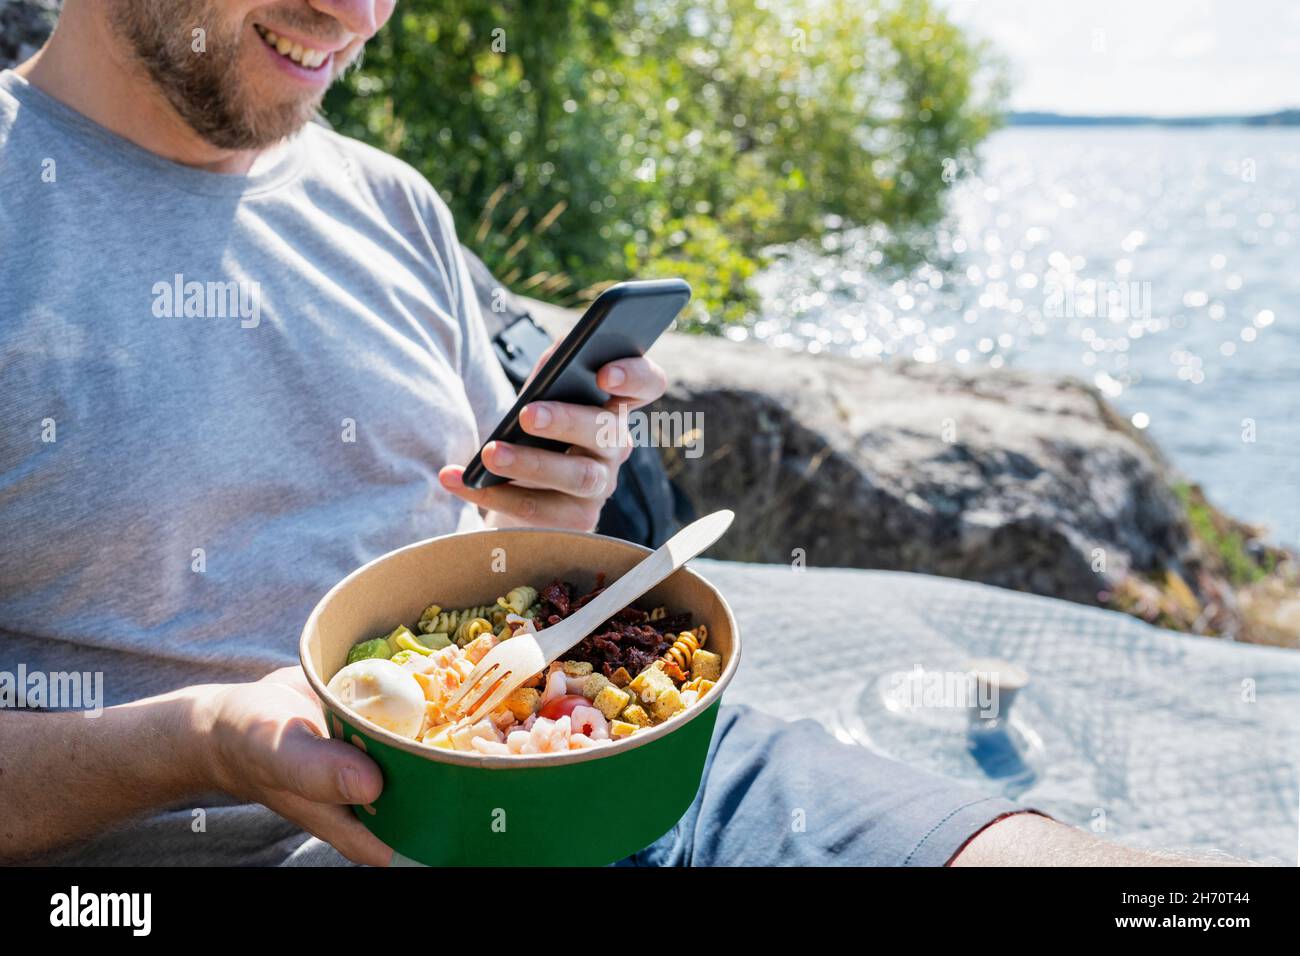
pixel 1223 539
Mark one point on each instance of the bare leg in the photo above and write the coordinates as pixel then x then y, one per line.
pixel 1027 839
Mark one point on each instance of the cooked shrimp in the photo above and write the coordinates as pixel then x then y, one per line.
pixel 556 686
pixel 590 722
pixel 478 648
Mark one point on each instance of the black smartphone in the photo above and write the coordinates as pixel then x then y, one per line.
pixel 624 321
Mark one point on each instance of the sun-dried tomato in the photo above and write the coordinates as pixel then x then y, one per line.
pixel 628 639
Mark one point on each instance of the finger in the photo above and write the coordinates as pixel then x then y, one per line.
pixel 336 825
pixel 637 380
pixel 527 506
pixel 589 427
pixel 319 769
pixel 581 475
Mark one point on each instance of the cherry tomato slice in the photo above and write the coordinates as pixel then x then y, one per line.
pixel 559 707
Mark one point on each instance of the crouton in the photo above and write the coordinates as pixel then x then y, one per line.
pixel 635 714
pixel 523 702
pixel 667 704
pixel 593 685
pixel 620 677
pixel 706 664
pixel 577 668
pixel 651 683
pixel 621 728
pixel 700 685
pixel 611 701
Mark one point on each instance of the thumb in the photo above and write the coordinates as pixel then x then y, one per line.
pixel 323 770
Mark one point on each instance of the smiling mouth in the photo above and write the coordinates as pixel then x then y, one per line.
pixel 305 57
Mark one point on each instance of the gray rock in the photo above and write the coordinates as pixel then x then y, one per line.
pixel 1026 481
pixel 24 26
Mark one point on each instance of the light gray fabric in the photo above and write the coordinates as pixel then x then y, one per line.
pixel 226 434
pixel 211 832
pixel 1155 729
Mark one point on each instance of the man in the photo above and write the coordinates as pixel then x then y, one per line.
pixel 241 356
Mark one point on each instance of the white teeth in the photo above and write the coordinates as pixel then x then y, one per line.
pixel 295 51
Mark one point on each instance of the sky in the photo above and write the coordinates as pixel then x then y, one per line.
pixel 1158 57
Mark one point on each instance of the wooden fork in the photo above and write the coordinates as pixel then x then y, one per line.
pixel 515 660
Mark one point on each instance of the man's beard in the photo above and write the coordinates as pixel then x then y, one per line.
pixel 207 88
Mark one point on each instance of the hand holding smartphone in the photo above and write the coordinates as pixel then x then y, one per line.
pixel 624 321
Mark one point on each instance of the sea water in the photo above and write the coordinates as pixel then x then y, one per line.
pixel 1161 265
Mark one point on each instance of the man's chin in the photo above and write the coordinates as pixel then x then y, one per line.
pixel 264 127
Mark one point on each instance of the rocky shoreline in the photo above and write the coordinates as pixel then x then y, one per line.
pixel 1025 481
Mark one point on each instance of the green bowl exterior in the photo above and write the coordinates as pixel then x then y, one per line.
pixel 585 813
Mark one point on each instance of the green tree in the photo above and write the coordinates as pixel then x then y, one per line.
pixel 579 143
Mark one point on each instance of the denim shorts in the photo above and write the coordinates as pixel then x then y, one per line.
pixel 777 793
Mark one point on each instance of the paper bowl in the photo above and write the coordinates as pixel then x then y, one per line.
pixel 580 808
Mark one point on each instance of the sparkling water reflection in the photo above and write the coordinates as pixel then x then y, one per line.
pixel 1159 265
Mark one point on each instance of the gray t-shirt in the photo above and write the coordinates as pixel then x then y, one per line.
pixel 218 394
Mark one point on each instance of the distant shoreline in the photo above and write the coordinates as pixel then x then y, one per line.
pixel 1031 118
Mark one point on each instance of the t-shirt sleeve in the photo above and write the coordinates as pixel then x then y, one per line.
pixel 412 204
pixel 489 391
